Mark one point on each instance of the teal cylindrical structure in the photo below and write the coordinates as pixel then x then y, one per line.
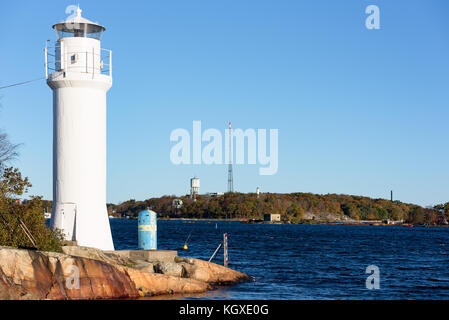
pixel 147 230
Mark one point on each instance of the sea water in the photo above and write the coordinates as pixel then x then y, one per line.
pixel 311 261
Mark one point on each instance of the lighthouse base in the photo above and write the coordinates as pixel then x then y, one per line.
pixel 88 229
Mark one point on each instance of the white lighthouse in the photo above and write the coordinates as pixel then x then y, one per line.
pixel 79 72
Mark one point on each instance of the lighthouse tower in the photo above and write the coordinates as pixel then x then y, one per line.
pixel 79 72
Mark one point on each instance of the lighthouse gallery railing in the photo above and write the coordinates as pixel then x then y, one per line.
pixel 64 61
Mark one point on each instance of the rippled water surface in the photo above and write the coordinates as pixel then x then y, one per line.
pixel 312 261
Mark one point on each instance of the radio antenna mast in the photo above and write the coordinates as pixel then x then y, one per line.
pixel 230 177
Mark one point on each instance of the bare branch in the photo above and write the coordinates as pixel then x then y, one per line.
pixel 8 150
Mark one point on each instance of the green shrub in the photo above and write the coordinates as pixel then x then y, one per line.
pixel 17 220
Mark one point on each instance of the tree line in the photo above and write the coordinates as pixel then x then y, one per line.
pixel 292 207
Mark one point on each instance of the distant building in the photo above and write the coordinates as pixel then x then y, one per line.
pixel 272 217
pixel 215 194
pixel 177 203
pixel 388 221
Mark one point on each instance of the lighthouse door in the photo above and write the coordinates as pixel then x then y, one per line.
pixel 68 215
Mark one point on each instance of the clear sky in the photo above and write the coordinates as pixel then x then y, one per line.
pixel 358 111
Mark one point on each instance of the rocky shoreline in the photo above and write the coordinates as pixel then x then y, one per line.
pixel 88 273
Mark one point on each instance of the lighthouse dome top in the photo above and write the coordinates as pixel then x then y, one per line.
pixel 77 26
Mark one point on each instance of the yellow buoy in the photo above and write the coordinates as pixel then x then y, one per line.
pixel 185 243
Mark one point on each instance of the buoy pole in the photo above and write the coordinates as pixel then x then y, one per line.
pixel 225 247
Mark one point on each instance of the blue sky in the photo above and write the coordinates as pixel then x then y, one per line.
pixel 358 111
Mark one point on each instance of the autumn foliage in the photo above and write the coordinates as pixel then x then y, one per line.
pixel 291 206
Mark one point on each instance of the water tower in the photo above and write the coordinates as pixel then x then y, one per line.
pixel 194 187
pixel 79 72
